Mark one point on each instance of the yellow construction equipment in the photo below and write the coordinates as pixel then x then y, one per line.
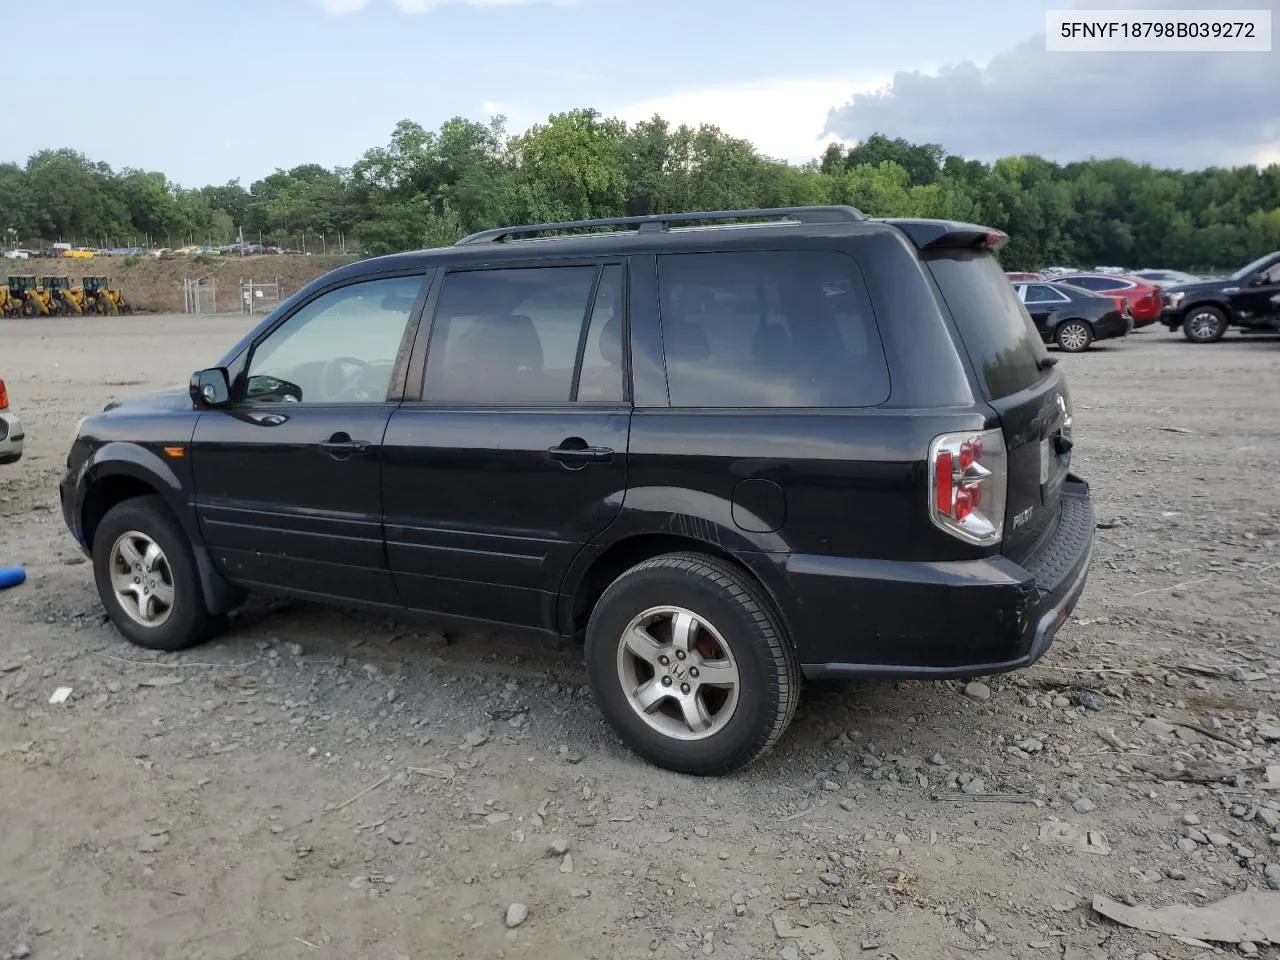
pixel 36 300
pixel 10 305
pixel 54 288
pixel 100 296
pixel 71 298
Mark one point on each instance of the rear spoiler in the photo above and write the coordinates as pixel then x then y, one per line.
pixel 949 234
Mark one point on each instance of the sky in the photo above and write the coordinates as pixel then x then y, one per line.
pixel 211 91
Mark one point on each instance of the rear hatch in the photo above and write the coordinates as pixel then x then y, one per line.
pixel 1020 382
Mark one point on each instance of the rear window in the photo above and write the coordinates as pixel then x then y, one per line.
pixel 770 329
pixel 997 330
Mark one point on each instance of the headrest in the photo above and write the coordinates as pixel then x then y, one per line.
pixel 685 341
pixel 611 341
pixel 505 343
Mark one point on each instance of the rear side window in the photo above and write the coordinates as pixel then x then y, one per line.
pixel 997 330
pixel 517 336
pixel 769 329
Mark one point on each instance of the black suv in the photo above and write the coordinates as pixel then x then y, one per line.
pixel 1249 298
pixel 728 450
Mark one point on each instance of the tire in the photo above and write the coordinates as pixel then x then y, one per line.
pixel 738 635
pixel 1204 325
pixel 178 615
pixel 1073 336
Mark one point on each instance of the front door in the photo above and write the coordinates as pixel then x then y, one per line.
pixel 288 479
pixel 515 453
pixel 1258 299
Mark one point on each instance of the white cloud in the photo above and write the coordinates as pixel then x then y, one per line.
pixel 336 8
pixel 1187 110
pixel 425 6
pixel 783 118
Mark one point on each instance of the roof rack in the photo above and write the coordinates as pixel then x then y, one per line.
pixel 833 213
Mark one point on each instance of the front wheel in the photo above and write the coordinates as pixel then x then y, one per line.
pixel 690 665
pixel 1204 325
pixel 1074 336
pixel 146 576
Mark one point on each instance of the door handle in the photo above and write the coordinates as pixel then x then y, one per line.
pixel 340 446
pixel 575 453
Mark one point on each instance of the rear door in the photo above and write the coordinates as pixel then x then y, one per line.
pixel 1042 302
pixel 1030 396
pixel 513 454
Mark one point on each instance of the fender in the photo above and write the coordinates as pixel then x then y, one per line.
pixel 166 477
pixel 122 459
pixel 1206 298
pixel 690 515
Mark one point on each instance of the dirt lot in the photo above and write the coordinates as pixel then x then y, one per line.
pixel 319 784
pixel 156 285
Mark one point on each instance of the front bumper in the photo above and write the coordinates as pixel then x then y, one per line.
pixel 909 620
pixel 12 437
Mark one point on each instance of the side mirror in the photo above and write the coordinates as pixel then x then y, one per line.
pixel 210 388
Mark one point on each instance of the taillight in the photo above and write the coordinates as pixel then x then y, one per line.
pixel 968 475
pixel 4 396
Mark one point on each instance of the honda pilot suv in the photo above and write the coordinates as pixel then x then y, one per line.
pixel 726 450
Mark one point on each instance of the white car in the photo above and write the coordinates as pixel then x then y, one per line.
pixel 11 432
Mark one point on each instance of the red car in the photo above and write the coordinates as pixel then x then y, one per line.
pixel 1016 277
pixel 1145 299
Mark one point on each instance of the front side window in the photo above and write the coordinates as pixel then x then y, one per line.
pixel 769 329
pixel 339 348
pixel 517 336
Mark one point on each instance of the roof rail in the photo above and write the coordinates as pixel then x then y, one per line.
pixel 834 213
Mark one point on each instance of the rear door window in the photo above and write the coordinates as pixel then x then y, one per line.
pixel 996 329
pixel 523 335
pixel 769 329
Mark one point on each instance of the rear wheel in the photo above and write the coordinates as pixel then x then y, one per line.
pixel 690 665
pixel 146 576
pixel 1204 325
pixel 1074 336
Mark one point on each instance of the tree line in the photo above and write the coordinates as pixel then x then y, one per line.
pixel 429 187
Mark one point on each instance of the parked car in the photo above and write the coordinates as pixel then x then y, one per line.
pixel 1166 278
pixel 12 434
pixel 1246 299
pixel 1017 277
pixel 1145 299
pixel 1072 317
pixel 725 458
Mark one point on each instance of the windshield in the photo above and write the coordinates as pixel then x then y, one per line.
pixel 1252 267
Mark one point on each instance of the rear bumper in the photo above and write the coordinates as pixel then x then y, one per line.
pixel 12 437
pixel 1113 325
pixel 904 620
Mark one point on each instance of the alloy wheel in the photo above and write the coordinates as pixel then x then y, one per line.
pixel 141 578
pixel 678 673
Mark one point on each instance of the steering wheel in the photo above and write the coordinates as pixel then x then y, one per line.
pixel 334 369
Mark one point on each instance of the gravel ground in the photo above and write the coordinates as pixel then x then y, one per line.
pixel 322 784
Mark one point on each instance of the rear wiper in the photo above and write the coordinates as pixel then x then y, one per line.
pixel 1046 362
